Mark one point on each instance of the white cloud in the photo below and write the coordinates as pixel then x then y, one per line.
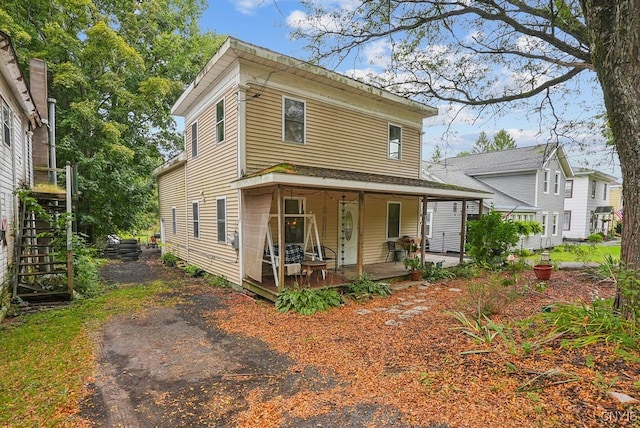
pixel 300 20
pixel 249 7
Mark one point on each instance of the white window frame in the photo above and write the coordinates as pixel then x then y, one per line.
pixel 221 239
pixel 570 184
pixel 544 224
pixel 545 181
pixel 194 139
pixel 554 224
pixel 429 223
pixel 174 220
pixel 195 219
pixel 389 142
pixel 556 183
pixel 389 203
pixel 284 120
pixel 220 122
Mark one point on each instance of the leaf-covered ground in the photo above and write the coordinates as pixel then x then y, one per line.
pixel 214 357
pixel 420 366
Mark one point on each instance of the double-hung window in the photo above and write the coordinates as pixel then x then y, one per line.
pixel 604 194
pixel 293 121
pixel 294 220
pixel 554 224
pixel 393 220
pixel 194 140
pixel 556 183
pixel 593 189
pixel 545 185
pixel 568 189
pixel 395 142
pixel 544 221
pixel 195 206
pixel 566 224
pixel 221 218
pixel 220 121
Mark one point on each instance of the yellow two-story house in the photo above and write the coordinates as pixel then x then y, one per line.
pixel 280 153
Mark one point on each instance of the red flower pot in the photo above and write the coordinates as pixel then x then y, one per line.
pixel 543 272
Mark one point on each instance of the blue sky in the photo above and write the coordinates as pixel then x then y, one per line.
pixel 264 23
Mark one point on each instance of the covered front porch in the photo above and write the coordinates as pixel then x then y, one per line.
pixel 354 216
pixel 391 271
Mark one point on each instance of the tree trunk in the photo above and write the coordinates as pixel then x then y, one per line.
pixel 614 31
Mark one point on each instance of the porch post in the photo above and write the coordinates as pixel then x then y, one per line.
pixel 463 229
pixel 479 207
pixel 423 232
pixel 360 233
pixel 281 249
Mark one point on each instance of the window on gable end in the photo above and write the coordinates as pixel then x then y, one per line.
pixel 220 121
pixel 395 142
pixel 293 121
pixel 545 184
pixel 556 183
pixel 194 140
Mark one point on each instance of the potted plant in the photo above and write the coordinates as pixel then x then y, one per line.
pixel 414 264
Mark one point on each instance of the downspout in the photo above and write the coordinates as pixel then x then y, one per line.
pixel 53 165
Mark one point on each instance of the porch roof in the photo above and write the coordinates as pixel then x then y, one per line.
pixel 335 179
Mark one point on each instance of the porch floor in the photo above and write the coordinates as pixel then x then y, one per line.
pixel 390 271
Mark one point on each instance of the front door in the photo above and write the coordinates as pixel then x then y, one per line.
pixel 348 233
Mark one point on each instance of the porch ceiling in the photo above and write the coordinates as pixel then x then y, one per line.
pixel 335 179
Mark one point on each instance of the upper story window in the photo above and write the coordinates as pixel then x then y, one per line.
pixel 393 220
pixel 220 121
pixel 395 142
pixel 593 189
pixel 604 195
pixel 568 189
pixel 6 124
pixel 293 121
pixel 545 185
pixel 194 140
pixel 221 218
pixel 556 183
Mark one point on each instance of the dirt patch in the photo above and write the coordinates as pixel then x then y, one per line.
pixel 172 366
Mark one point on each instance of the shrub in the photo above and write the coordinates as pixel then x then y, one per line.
pixel 489 238
pixel 464 270
pixel 219 281
pixel 193 271
pixel 364 285
pixel 169 259
pixel 595 237
pixel 306 301
pixel 435 272
pixel 486 298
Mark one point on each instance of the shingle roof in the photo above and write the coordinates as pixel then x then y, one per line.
pixel 518 159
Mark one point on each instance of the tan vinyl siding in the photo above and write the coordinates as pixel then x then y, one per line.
pixel 336 137
pixel 209 177
pixel 171 193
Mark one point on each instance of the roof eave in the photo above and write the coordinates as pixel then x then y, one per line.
pixel 354 185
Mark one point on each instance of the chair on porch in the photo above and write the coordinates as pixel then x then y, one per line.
pixel 397 252
pixel 327 254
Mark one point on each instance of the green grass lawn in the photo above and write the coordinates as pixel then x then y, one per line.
pixel 582 253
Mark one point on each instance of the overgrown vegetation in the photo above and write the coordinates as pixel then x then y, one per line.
pixel 489 238
pixel 218 281
pixel 193 271
pixel 307 301
pixel 169 259
pixel 435 272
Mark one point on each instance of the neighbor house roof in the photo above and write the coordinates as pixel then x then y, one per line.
pixel 531 158
pixel 582 172
pixel 233 49
pixel 298 175
pixel 500 201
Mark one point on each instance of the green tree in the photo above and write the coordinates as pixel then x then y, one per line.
pixel 482 144
pixel 490 237
pixel 116 67
pixel 456 51
pixel 437 155
pixel 503 141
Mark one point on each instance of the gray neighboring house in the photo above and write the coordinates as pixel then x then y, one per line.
pixel 528 184
pixel 588 208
